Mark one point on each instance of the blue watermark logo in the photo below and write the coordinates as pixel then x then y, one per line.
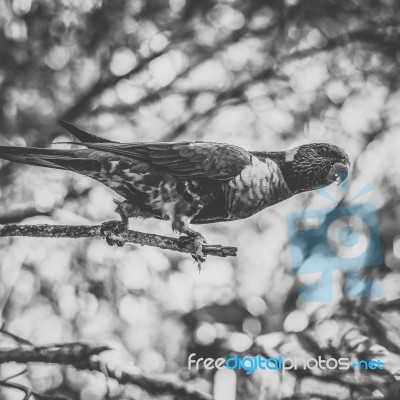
pixel 342 238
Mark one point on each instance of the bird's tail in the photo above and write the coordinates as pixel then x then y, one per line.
pixel 74 160
pixel 82 135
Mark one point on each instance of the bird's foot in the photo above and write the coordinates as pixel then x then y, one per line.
pixel 197 240
pixel 113 227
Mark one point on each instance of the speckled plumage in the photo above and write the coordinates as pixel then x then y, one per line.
pixel 191 182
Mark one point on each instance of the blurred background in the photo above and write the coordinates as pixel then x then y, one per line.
pixel 261 75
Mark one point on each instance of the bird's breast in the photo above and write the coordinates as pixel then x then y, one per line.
pixel 258 186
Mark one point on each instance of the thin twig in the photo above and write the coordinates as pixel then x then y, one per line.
pixel 16 375
pixel 143 239
pixel 16 338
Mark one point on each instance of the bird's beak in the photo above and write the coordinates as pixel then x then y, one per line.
pixel 338 172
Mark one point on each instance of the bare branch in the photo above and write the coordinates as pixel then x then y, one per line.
pixel 81 357
pixel 388 305
pixel 143 239
pixel 16 338
pixel 23 372
pixel 155 385
pixel 29 392
pixel 67 353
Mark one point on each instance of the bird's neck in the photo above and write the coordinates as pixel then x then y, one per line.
pixel 258 186
pixel 284 160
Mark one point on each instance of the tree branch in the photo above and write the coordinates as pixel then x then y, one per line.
pixel 67 353
pixel 81 357
pixel 155 385
pixel 143 239
pixel 29 392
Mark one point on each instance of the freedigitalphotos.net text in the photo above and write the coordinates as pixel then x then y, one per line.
pixel 251 364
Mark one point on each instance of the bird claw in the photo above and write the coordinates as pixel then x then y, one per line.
pixel 113 227
pixel 197 240
pixel 199 259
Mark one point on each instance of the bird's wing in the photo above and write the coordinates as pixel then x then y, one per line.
pixel 184 160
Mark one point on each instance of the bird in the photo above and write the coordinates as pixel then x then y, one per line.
pixel 189 182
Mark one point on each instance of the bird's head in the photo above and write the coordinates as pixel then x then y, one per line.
pixel 312 166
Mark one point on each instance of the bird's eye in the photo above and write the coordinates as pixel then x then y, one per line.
pixel 193 187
